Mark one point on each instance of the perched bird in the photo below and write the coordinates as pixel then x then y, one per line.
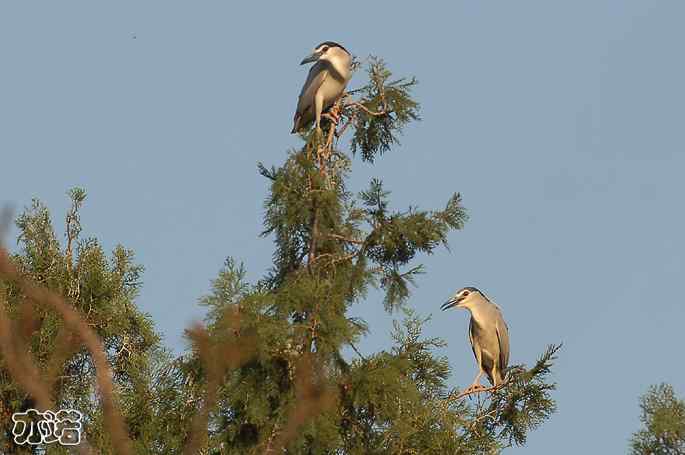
pixel 488 334
pixel 325 83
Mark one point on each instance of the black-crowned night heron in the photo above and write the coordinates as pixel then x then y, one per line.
pixel 325 83
pixel 488 334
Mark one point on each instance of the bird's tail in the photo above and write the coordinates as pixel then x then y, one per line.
pixel 296 123
pixel 502 377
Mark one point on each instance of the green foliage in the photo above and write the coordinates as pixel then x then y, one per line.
pixel 389 108
pixel 525 403
pixel 395 238
pixel 397 402
pixel 331 246
pixel 103 289
pixel 269 373
pixel 663 420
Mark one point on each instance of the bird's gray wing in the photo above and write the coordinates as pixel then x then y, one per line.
pixel 473 346
pixel 317 74
pixel 503 338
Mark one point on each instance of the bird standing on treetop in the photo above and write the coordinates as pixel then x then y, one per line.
pixel 325 83
pixel 488 334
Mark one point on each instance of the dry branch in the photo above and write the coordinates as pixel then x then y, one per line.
pixel 77 324
pixel 311 400
pixel 217 358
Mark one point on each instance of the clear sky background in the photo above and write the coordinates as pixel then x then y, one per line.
pixel 561 123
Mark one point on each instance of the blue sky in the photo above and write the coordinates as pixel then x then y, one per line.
pixel 559 122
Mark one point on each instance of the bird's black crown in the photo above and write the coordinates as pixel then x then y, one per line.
pixel 474 289
pixel 332 44
pixel 471 289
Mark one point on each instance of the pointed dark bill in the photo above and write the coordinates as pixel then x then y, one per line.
pixel 449 304
pixel 311 58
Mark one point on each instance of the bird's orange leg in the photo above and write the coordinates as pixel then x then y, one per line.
pixel 476 384
pixel 333 114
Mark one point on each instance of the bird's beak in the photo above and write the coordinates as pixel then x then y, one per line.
pixel 450 303
pixel 311 58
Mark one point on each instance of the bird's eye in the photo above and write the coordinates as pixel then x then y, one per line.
pixel 465 293
pixel 325 49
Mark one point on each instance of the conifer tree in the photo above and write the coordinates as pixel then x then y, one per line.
pixel 663 420
pixel 44 362
pixel 293 389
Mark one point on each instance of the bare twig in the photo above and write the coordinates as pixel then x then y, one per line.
pixel 359 105
pixel 335 259
pixel 346 257
pixel 354 348
pixel 346 239
pixel 467 392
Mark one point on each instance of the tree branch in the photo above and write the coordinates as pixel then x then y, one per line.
pixel 346 239
pixel 366 109
pixel 450 398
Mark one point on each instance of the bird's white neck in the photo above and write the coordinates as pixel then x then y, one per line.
pixel 478 312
